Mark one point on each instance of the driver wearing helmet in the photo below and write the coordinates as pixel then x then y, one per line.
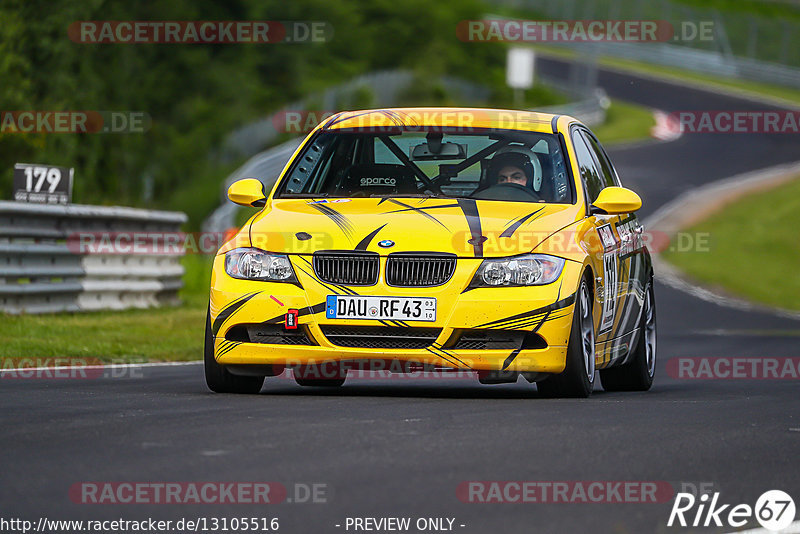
pixel 513 174
pixel 516 164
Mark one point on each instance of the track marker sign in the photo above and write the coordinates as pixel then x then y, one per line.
pixel 44 184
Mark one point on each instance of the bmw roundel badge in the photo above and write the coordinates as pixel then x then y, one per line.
pixel 386 243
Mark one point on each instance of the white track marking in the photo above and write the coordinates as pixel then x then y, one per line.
pixel 682 212
pixel 109 366
pixel 794 528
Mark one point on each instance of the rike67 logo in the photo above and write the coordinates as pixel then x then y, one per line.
pixel 774 510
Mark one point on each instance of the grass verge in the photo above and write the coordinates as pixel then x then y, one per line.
pixel 625 123
pixel 753 248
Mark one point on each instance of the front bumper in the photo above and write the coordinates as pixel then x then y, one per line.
pixel 543 310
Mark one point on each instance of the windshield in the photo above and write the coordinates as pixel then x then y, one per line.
pixel 505 165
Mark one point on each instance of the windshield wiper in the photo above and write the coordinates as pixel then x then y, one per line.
pixel 305 195
pixel 406 195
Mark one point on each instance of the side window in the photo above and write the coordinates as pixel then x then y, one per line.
pixel 609 174
pixel 333 172
pixel 592 178
pixel 306 168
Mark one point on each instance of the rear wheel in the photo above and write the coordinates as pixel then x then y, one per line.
pixel 219 379
pixel 577 379
pixel 637 374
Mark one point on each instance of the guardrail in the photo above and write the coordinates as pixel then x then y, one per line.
pixel 702 61
pixel 45 267
pixel 588 102
pixel 743 45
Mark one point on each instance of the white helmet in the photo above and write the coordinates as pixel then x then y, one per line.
pixel 535 165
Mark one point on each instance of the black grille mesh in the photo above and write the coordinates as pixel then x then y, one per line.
pixel 277 335
pixel 380 337
pixel 347 268
pixel 419 270
pixel 488 340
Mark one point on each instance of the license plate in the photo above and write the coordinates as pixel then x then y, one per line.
pixel 381 308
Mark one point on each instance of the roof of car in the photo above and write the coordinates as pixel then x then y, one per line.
pixel 458 118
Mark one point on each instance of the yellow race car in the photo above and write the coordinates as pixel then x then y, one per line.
pixel 436 239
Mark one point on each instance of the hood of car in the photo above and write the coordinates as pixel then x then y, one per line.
pixel 466 227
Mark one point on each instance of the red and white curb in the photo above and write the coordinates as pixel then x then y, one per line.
pixel 667 127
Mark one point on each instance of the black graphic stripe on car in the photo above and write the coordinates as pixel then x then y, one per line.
pixel 510 358
pixel 341 221
pixel 438 347
pixel 442 356
pixel 330 287
pixel 308 310
pixel 515 224
pixel 421 211
pixel 470 209
pixel 364 243
pixel 563 303
pixel 230 310
pixel 229 346
pixel 535 322
pixel 393 116
pixel 222 344
pixel 424 208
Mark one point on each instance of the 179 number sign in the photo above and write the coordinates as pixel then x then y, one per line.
pixel 42 183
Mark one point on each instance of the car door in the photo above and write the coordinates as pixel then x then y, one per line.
pixel 632 266
pixel 606 264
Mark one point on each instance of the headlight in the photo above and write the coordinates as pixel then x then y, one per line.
pixel 526 270
pixel 255 264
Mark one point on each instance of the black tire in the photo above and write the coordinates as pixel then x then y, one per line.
pixel 319 376
pixel 218 379
pixel 638 373
pixel 577 379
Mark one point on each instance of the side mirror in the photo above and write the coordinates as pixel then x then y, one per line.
pixel 615 201
pixel 247 192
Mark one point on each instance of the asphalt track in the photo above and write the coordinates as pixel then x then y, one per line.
pixel 400 448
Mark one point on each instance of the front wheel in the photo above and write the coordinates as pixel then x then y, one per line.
pixel 637 374
pixel 219 379
pixel 577 379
